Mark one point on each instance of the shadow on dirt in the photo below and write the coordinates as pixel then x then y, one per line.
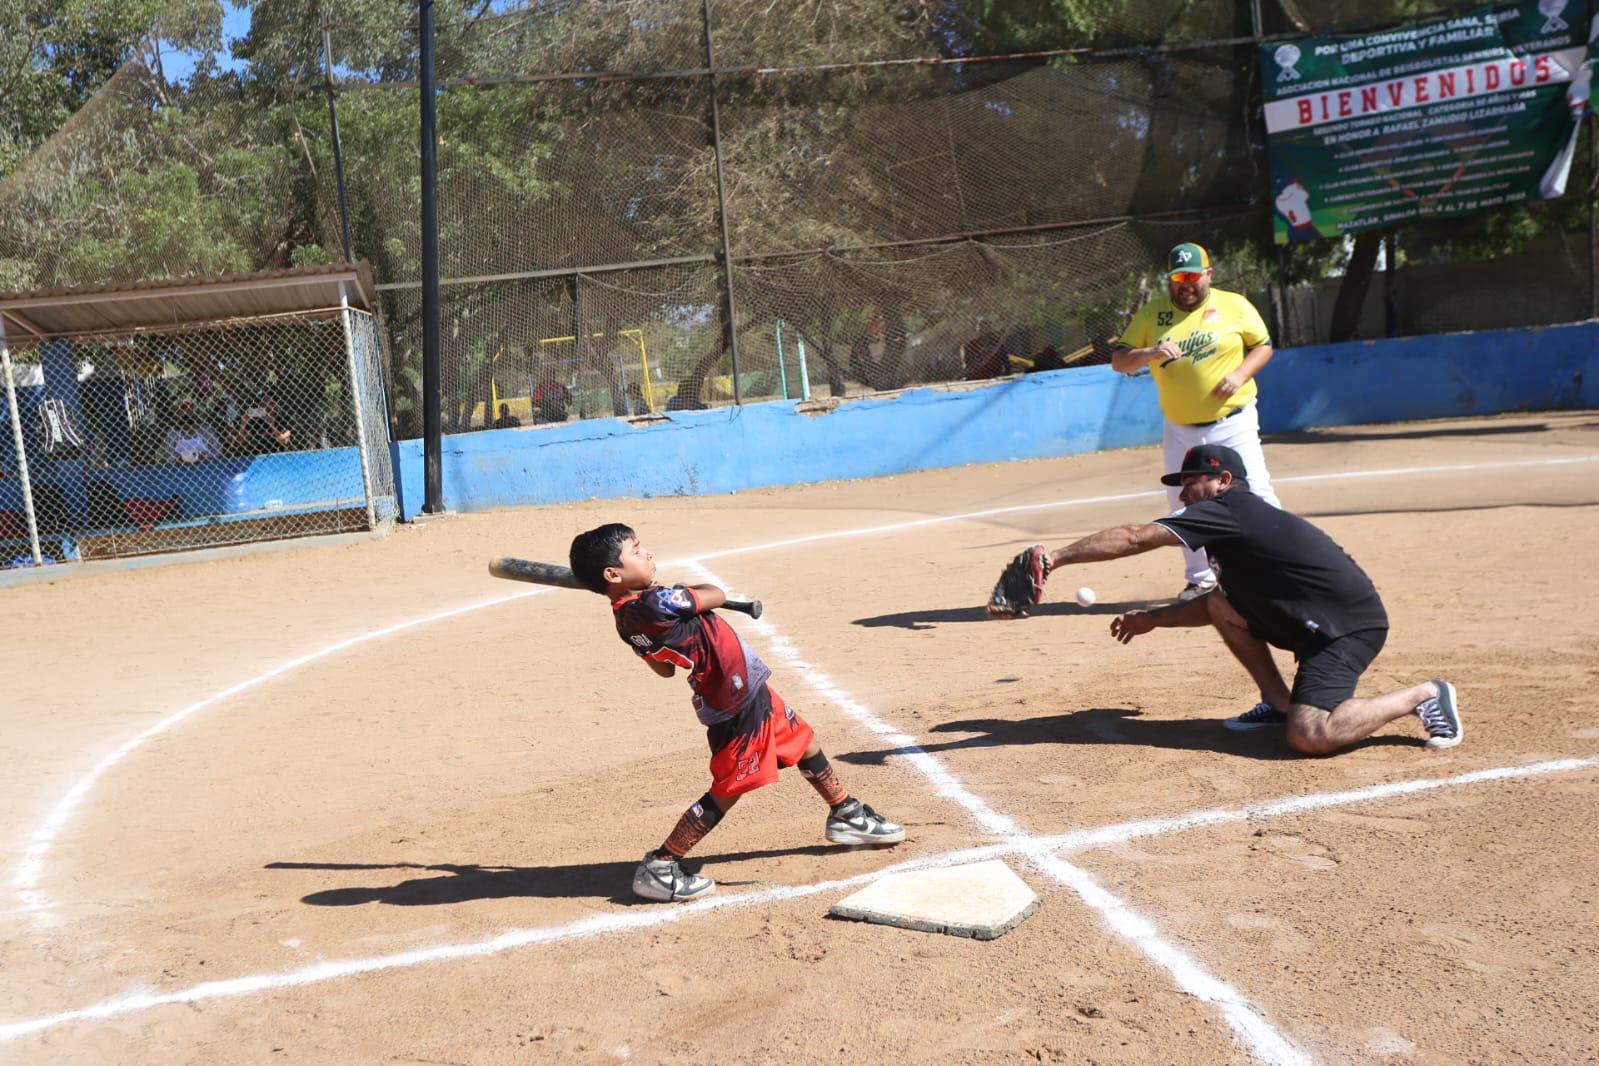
pixel 932 616
pixel 1323 436
pixel 449 883
pixel 1115 725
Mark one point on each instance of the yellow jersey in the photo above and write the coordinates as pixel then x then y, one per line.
pixel 1213 337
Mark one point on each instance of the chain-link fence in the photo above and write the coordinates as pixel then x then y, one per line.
pixel 906 194
pixel 141 441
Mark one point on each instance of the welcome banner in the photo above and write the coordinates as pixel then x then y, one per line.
pixel 1444 117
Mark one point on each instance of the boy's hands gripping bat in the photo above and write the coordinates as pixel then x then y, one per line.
pixel 562 577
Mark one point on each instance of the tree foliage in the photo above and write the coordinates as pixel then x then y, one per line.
pixel 110 170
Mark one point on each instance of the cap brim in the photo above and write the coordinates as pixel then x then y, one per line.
pixel 1172 479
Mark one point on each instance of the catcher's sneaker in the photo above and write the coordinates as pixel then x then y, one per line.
pixel 665 881
pixel 1195 589
pixel 1261 716
pixel 1441 715
pixel 853 822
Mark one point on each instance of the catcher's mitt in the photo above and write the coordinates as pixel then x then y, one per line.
pixel 1021 585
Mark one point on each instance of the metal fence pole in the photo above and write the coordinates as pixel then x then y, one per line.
pixel 1593 219
pixel 730 331
pixel 338 148
pixel 432 391
pixel 360 414
pixel 782 371
pixel 22 453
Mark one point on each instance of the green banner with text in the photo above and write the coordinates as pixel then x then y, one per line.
pixel 1443 117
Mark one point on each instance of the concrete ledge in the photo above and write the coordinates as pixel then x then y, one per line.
pixel 68 571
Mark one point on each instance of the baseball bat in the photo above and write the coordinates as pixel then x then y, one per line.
pixel 562 577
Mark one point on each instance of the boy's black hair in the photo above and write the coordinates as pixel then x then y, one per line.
pixel 593 551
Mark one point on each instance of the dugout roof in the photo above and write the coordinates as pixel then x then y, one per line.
pixel 186 302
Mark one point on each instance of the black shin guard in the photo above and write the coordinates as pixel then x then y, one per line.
pixel 819 772
pixel 691 828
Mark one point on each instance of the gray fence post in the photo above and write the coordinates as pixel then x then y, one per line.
pixel 355 399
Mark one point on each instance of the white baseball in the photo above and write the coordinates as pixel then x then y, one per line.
pixel 1085 597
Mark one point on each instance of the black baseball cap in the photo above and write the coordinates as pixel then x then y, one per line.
pixel 1207 459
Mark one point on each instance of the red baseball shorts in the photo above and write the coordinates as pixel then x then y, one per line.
pixel 747 762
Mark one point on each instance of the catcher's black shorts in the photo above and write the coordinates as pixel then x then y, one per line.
pixel 1328 675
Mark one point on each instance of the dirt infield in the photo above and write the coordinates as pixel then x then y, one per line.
pixel 416 847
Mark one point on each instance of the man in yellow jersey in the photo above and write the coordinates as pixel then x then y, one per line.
pixel 1203 346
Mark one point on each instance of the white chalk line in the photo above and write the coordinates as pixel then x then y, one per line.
pixel 1267 1043
pixel 647 917
pixel 1084 501
pixel 30 867
pixel 1105 836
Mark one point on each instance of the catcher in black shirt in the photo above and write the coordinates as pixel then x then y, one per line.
pixel 1282 582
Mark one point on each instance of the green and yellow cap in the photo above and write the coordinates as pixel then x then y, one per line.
pixel 1187 257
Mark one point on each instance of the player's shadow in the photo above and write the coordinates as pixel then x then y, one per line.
pixel 1115 725
pixel 442 884
pixel 1472 509
pixel 1323 436
pixel 933 616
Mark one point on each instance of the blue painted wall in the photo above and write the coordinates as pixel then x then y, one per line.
pixel 1432 377
pixel 291 481
pixel 1064 412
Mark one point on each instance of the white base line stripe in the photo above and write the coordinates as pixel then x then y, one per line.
pixel 633 920
pixel 1120 833
pixel 31 866
pixel 29 869
pixel 1053 505
pixel 1261 1036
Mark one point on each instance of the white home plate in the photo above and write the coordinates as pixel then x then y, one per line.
pixel 982 900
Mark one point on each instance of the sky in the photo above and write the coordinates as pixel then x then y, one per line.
pixel 235 24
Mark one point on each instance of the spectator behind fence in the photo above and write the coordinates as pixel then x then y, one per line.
pixel 1048 358
pixel 507 420
pixel 984 355
pixel 189 442
pixel 551 399
pixel 259 430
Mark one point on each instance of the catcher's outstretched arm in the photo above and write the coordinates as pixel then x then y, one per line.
pixel 1117 543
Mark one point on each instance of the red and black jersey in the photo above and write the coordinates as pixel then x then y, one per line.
pixel 664 625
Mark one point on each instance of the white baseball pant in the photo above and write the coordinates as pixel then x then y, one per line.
pixel 1241 433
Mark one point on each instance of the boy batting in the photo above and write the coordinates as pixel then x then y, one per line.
pixel 752 733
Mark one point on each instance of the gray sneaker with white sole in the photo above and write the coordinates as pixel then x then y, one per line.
pixel 856 823
pixel 665 881
pixel 1440 715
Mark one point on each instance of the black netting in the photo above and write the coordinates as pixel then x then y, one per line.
pixel 839 323
pixel 532 177
pixel 154 180
pixel 619 343
pixel 523 38
pixel 885 320
pixel 858 158
pixel 907 200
